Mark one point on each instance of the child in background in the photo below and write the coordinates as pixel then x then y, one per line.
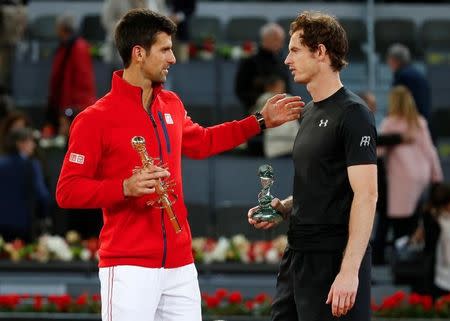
pixel 437 237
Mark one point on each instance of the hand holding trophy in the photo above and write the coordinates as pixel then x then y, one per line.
pixel 265 212
pixel 164 188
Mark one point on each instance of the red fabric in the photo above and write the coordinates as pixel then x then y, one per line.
pixel 101 136
pixel 72 84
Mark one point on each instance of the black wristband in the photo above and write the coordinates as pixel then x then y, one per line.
pixel 261 121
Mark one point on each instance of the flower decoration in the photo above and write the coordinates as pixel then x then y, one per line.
pixel 224 302
pixel 53 303
pixel 402 305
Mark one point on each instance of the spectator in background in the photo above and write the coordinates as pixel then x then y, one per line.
pixel 399 60
pixel 72 82
pixel 381 227
pixel 13 21
pixel 410 168
pixel 112 11
pixel 180 12
pixel 437 238
pixel 22 185
pixel 252 71
pixel 14 120
pixel 278 141
pixel 6 103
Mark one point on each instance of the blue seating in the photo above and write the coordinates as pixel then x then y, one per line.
pixel 242 29
pixel 30 82
pixel 201 27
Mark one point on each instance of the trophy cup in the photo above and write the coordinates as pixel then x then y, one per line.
pixel 164 188
pixel 265 212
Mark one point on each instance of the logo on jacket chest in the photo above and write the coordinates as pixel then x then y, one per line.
pixel 169 119
pixel 323 123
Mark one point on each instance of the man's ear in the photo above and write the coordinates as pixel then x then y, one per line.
pixel 138 53
pixel 321 50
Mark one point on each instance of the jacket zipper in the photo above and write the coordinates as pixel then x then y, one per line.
pixel 163 263
pixel 165 131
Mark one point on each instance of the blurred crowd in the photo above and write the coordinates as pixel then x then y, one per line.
pixel 413 199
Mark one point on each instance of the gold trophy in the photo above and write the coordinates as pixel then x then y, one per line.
pixel 164 188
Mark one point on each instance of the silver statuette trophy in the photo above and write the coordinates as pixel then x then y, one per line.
pixel 265 212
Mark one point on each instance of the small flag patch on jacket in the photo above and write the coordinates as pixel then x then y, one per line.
pixel 169 119
pixel 76 158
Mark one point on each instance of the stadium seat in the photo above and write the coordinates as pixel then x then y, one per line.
pixel 438 77
pixel 357 36
pixel 243 29
pixel 395 30
pixel 195 82
pixel 30 83
pixel 92 29
pixel 435 35
pixel 196 182
pixel 201 27
pixel 42 32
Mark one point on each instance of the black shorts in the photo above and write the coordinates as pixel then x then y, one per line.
pixel 303 284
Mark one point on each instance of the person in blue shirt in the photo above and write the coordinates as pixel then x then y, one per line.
pixel 399 60
pixel 22 186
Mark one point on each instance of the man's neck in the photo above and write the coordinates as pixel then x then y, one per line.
pixel 134 77
pixel 324 85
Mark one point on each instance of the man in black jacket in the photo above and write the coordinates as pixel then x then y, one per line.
pixel 252 71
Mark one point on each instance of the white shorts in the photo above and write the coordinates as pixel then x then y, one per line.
pixel 134 293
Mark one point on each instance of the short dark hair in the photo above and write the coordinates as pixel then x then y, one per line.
pixel 16 136
pixel 139 27
pixel 319 28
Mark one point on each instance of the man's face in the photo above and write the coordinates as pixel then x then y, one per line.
pixel 301 61
pixel 158 59
pixel 26 147
pixel 274 42
pixel 392 63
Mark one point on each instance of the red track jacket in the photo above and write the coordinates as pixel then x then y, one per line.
pixel 100 157
pixel 72 81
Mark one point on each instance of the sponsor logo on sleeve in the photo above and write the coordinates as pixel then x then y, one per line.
pixel 76 158
pixel 365 141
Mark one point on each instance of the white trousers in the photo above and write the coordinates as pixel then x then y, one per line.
pixel 134 293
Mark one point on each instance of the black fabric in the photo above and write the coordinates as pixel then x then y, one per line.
pixel 334 134
pixel 187 7
pixel 303 283
pixel 253 71
pixel 389 140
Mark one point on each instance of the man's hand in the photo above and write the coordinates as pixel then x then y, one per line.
pixel 276 204
pixel 342 293
pixel 143 181
pixel 280 109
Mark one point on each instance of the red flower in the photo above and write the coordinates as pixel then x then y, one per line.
pixel 208 45
pixel 37 305
pixel 250 304
pixel 96 298
pixel 414 299
pixel 212 302
pixel 261 298
pixel 82 300
pixel 221 293
pixel 235 297
pixel 427 302
pixel 9 301
pixel 192 50
pixel 248 46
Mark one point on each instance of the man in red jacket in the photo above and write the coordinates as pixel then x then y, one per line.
pixel 72 81
pixel 146 267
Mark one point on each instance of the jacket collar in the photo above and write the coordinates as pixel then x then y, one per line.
pixel 122 88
